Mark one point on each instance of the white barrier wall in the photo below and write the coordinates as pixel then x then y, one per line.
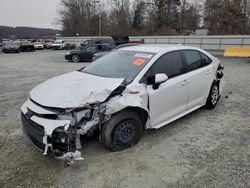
pixel 214 42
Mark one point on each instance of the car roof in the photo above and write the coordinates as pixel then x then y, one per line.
pixel 100 38
pixel 157 48
pixel 103 44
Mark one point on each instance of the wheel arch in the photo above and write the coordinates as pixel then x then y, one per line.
pixel 143 114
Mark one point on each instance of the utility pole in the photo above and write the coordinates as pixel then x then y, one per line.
pixel 99 5
pixel 100 24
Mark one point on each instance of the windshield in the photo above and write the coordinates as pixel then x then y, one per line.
pixel 120 64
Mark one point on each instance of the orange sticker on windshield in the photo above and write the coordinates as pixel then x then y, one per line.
pixel 139 62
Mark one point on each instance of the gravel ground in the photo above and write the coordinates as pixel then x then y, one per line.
pixel 207 148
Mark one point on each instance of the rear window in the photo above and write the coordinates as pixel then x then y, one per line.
pixel 205 59
pixel 193 59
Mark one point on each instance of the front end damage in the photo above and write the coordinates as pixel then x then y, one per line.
pixel 57 132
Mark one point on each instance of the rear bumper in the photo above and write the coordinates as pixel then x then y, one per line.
pixel 10 50
pixel 39 48
pixel 57 47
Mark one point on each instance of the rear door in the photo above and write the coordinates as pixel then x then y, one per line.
pixel 199 77
pixel 170 99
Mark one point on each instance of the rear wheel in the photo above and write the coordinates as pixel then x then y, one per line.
pixel 75 58
pixel 213 97
pixel 123 131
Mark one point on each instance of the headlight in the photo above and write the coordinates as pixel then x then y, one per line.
pixel 68 53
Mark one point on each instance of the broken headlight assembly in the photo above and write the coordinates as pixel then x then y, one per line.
pixel 82 115
pixel 62 142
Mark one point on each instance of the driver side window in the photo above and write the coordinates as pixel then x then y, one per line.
pixel 169 64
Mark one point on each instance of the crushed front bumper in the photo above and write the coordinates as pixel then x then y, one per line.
pixel 42 132
pixel 34 132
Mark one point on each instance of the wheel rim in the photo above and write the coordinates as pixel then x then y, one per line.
pixel 215 95
pixel 125 132
pixel 75 58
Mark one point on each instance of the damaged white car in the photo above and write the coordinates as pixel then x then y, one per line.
pixel 120 95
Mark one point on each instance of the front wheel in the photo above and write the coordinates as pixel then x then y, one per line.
pixel 123 131
pixel 213 97
pixel 75 58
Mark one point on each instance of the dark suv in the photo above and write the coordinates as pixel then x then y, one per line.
pixel 109 41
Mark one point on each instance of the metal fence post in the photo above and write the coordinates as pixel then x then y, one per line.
pixel 220 44
pixel 242 42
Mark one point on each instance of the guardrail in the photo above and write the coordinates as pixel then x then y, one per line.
pixel 213 42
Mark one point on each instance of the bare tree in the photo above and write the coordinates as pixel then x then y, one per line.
pixel 120 17
pixel 226 16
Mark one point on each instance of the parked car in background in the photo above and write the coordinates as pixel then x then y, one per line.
pixel 27 47
pixel 5 41
pixel 11 47
pixel 100 54
pixel 48 43
pixel 42 41
pixel 85 53
pixel 38 46
pixel 93 41
pixel 127 91
pixel 59 45
pixel 119 40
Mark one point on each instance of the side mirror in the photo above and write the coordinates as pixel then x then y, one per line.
pixel 159 79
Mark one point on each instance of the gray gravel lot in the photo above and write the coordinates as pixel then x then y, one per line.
pixel 208 148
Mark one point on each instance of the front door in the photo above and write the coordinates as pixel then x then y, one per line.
pixel 170 99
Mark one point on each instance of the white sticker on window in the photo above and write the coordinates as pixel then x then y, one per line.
pixel 143 55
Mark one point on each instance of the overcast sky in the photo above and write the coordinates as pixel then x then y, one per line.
pixel 34 13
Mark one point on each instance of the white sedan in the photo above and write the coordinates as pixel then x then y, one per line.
pixel 120 95
pixel 38 46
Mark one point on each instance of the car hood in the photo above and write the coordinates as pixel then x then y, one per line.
pixel 74 90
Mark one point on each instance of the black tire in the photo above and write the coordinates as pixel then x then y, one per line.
pixel 75 58
pixel 122 131
pixel 213 97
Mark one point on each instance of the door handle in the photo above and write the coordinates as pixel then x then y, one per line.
pixel 208 72
pixel 184 82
